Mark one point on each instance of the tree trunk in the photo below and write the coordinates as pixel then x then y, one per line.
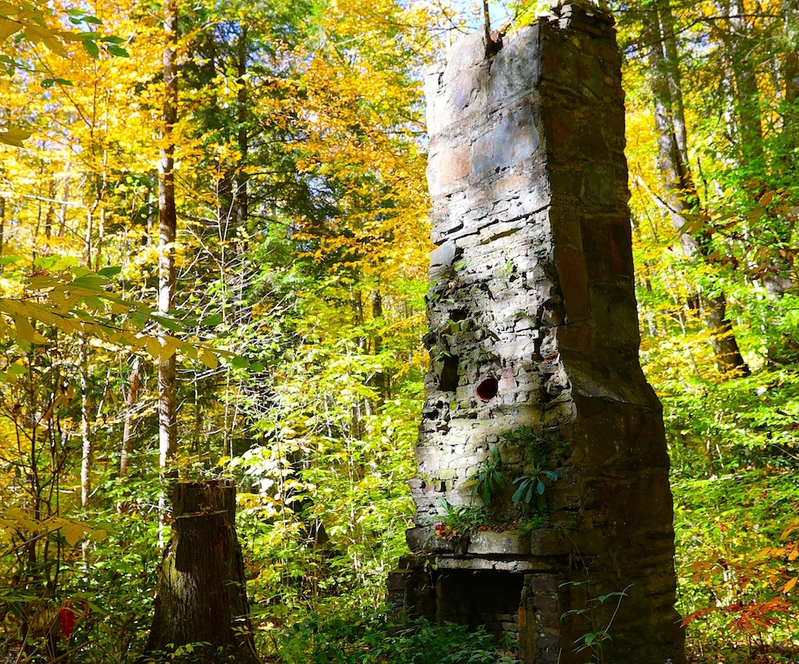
pixel 680 191
pixel 747 97
pixel 2 227
pixel 379 379
pixel 201 592
pixel 127 433
pixel 167 223
pixel 85 427
pixel 242 178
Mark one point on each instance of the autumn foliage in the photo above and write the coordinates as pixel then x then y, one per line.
pixel 301 269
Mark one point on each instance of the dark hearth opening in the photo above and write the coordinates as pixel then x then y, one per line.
pixel 486 597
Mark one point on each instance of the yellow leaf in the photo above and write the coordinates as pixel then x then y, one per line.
pixel 55 45
pixel 8 28
pixel 67 326
pixel 21 519
pixel 153 347
pixel 36 34
pixel 25 330
pixel 789 586
pixel 168 348
pixel 118 308
pixel 208 358
pixel 792 525
pixel 793 555
pixel 74 532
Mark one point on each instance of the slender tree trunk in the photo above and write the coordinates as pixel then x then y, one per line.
pixel 671 69
pixel 487 28
pixel 48 217
pixel 87 244
pixel 202 598
pixel 85 429
pixel 102 183
pixel 242 177
pixel 242 203
pixel 62 214
pixel 681 196
pixel 2 227
pixel 747 97
pixel 379 380
pixel 167 389
pixel 127 433
pixel 790 76
pixel 790 70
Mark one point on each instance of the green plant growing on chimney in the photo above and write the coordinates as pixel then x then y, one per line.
pixel 595 638
pixel 487 477
pixel 531 485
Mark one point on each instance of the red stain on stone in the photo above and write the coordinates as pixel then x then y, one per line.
pixel 560 131
pixel 573 282
pixel 617 265
pixel 507 383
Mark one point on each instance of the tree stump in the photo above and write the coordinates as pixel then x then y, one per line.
pixel 202 599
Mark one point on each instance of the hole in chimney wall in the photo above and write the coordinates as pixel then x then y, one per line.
pixel 487 388
pixel 448 382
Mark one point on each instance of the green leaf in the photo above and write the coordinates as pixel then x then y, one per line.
pixel 14 137
pixel 168 323
pixel 90 47
pixel 92 19
pixel 113 40
pixel 50 82
pixel 118 51
pixel 110 271
pixel 90 281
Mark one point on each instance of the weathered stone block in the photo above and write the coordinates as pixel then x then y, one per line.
pixel 512 139
pixel 498 543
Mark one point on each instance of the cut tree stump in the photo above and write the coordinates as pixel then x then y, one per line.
pixel 202 599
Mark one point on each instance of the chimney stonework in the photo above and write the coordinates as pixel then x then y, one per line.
pixel 535 386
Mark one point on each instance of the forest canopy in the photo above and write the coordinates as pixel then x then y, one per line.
pixel 283 288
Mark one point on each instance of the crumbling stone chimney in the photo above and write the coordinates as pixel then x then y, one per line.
pixel 542 466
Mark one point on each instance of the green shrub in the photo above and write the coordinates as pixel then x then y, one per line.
pixel 372 638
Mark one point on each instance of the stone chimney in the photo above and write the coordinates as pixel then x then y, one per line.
pixel 542 466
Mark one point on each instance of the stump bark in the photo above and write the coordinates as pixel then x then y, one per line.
pixel 202 600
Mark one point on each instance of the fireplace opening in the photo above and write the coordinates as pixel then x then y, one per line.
pixel 487 598
pixel 487 388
